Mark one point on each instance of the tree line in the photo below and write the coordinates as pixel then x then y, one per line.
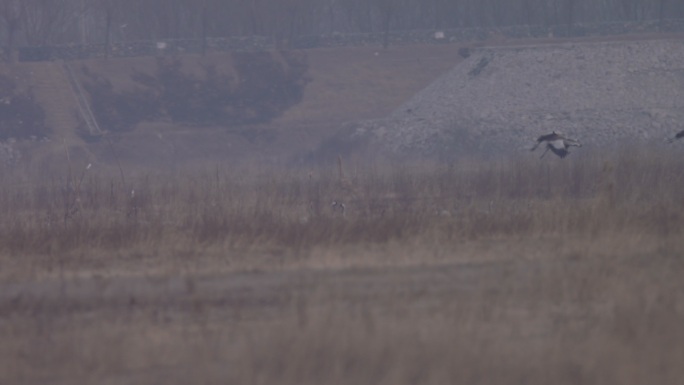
pixel 50 22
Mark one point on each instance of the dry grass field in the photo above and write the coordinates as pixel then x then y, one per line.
pixel 477 272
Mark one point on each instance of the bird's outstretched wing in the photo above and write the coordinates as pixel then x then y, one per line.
pixel 549 137
pixel 572 142
pixel 546 138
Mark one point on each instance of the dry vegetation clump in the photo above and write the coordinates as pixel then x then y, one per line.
pixel 288 212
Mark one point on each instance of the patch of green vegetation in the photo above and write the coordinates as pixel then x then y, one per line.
pixel 260 87
pixel 121 111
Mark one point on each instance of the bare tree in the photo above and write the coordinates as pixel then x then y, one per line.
pixel 661 13
pixel 108 8
pixel 41 22
pixel 331 10
pixel 11 12
pixel 387 9
pixel 299 18
pixel 83 8
pixel 570 12
pixel 207 13
pixel 205 25
pixel 44 21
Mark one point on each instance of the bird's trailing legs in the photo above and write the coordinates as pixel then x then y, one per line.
pixel 544 153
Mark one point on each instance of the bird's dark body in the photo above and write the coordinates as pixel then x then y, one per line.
pixel 549 137
pixel 561 152
pixel 678 135
pixel 557 143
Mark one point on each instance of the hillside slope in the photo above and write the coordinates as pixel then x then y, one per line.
pixel 345 84
pixel 500 98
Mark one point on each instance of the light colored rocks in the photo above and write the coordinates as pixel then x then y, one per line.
pixel 498 99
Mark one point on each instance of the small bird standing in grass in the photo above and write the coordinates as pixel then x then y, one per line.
pixel 678 135
pixel 338 207
pixel 557 143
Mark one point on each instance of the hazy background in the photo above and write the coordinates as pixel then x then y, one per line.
pixel 40 22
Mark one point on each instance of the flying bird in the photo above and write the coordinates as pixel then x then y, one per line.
pixel 678 135
pixel 557 143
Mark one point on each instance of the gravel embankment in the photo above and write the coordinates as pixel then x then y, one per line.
pixel 500 99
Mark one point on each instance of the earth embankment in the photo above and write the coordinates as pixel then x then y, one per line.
pixel 500 98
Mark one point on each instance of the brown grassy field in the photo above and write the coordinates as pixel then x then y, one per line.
pixel 479 272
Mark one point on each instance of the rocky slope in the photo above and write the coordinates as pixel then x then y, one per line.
pixel 499 99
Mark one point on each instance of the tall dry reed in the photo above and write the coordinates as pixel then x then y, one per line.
pixel 625 191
